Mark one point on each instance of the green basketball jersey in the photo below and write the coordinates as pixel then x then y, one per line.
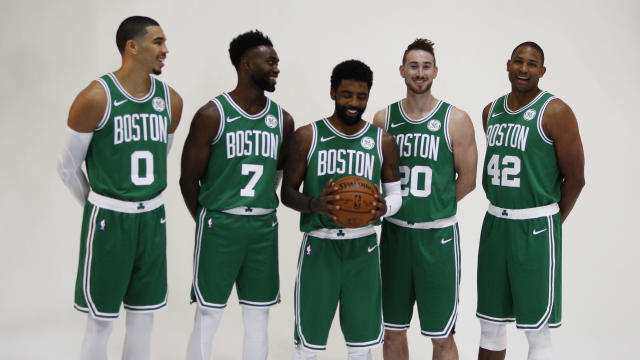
pixel 426 163
pixel 334 155
pixel 244 158
pixel 520 167
pixel 127 156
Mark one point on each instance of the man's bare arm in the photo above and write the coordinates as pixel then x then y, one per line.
pixel 561 125
pixel 195 154
pixel 465 153
pixel 380 118
pixel 176 110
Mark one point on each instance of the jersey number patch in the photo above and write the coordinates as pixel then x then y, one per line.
pixel 418 178
pixel 508 175
pixel 138 157
pixel 256 170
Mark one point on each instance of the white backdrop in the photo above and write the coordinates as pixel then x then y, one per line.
pixel 51 50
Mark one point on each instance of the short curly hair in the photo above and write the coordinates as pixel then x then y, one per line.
pixel 351 70
pixel 246 41
pixel 532 45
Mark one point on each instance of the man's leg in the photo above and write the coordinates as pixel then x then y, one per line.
pixel 204 328
pixel 493 341
pixel 395 346
pixel 301 353
pixel 359 354
pixel 256 339
pixel 96 336
pixel 445 349
pixel 539 344
pixel 137 341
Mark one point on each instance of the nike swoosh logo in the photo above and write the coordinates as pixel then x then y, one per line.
pixel 443 241
pixel 118 103
pixel 396 125
pixel 372 248
pixel 498 114
pixel 536 232
pixel 323 139
pixel 232 119
pixel 163 220
pixel 274 223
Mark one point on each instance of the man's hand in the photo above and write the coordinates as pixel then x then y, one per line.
pixel 379 207
pixel 322 203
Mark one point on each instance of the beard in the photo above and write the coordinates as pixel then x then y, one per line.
pixel 263 82
pixel 156 71
pixel 417 90
pixel 346 119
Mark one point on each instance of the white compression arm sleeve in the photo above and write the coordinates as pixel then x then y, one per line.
pixel 70 161
pixel 392 196
pixel 169 143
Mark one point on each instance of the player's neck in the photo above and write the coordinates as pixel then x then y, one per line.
pixel 417 106
pixel 251 99
pixel 345 128
pixel 136 82
pixel 517 99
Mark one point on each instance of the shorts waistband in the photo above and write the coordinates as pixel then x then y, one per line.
pixel 342 234
pixel 523 214
pixel 435 224
pixel 130 207
pixel 248 211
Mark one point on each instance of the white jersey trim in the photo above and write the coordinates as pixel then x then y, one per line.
pixel 387 117
pixel 167 99
pixel 435 224
pixel 314 141
pixel 152 89
pixel 446 127
pixel 544 136
pixel 107 110
pixel 196 263
pixel 248 211
pixel 280 121
pixel 129 207
pixel 379 145
pixel 514 112
pixel 345 136
pixel 222 120
pixel 524 214
pixel 419 121
pixel 260 114
pixel 343 233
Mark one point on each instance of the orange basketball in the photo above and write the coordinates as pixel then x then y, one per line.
pixel 357 197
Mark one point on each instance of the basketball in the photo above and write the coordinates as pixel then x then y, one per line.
pixel 357 197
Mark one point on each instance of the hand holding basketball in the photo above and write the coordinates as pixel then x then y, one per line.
pixel 359 203
pixel 324 202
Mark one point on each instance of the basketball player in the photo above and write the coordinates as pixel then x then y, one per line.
pixel 122 124
pixel 230 169
pixel 533 174
pixel 339 265
pixel 419 247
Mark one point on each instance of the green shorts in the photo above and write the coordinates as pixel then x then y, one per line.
pixel 519 271
pixel 332 272
pixel 235 249
pixel 122 260
pixel 421 266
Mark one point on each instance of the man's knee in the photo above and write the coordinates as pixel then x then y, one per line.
pixel 443 344
pixel 395 336
pixel 493 336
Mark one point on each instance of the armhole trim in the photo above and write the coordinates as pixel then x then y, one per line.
pixel 107 110
pixel 221 125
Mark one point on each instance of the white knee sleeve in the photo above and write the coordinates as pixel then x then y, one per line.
pixel 301 353
pixel 204 328
pixel 96 336
pixel 493 336
pixel 256 341
pixel 539 344
pixel 137 341
pixel 360 353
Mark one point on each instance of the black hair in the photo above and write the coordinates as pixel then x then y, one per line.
pixel 529 44
pixel 420 44
pixel 351 70
pixel 246 41
pixel 131 28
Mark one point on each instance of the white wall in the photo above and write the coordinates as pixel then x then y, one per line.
pixel 51 50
